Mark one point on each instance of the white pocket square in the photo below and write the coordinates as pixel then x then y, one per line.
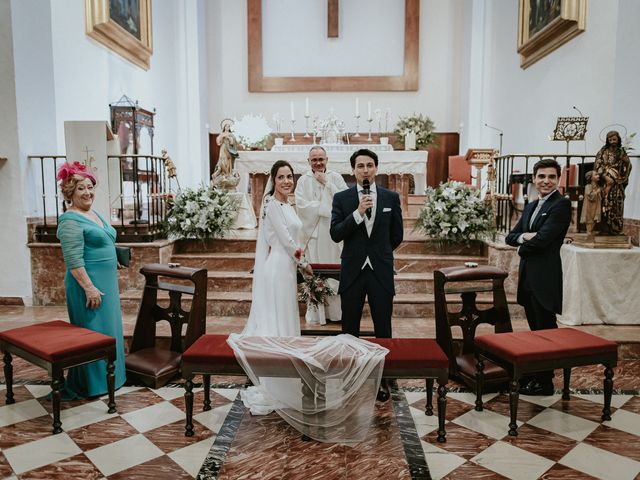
pixel 543 214
pixel 386 209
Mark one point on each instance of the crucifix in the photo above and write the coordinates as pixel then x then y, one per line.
pixel 332 18
pixel 88 160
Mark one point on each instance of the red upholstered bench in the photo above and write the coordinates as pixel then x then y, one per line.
pixel 528 352
pixel 56 346
pixel 407 358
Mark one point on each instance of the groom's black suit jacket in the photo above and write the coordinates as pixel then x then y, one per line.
pixel 386 235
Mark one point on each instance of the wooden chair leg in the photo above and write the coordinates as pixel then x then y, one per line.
pixel 429 407
pixel 442 411
pixel 188 406
pixel 206 385
pixel 566 377
pixel 111 386
pixel 514 387
pixel 8 376
pixel 479 383
pixel 57 383
pixel 608 392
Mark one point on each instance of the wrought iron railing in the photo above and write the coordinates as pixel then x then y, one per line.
pixel 138 189
pixel 509 202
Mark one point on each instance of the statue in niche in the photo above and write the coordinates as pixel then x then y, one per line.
pixel 592 207
pixel 613 167
pixel 224 176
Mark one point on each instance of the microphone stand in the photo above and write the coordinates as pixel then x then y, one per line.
pixel 501 134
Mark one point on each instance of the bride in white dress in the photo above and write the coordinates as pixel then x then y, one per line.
pixel 274 306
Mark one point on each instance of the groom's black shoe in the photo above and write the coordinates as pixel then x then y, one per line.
pixel 383 392
pixel 534 387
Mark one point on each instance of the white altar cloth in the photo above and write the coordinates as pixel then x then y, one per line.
pixel 331 148
pixel 398 162
pixel 600 286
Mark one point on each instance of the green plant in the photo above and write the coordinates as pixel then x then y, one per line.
pixel 454 212
pixel 203 213
pixel 421 125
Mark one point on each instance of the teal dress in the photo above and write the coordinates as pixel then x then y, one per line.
pixel 86 244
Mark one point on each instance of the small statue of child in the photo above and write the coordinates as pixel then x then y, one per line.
pixel 591 207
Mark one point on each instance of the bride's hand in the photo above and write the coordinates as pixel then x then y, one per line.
pixel 307 269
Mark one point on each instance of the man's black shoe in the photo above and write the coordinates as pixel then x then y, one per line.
pixel 534 387
pixel 383 395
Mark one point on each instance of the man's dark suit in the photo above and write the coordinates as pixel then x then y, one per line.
pixel 540 282
pixel 386 235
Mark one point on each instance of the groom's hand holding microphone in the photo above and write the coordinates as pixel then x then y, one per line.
pixel 366 202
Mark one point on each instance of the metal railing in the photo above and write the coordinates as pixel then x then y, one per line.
pixel 138 188
pixel 572 182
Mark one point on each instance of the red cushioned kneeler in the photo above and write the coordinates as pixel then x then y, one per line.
pixel 407 358
pixel 56 346
pixel 522 353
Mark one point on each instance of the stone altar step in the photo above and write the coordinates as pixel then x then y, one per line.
pixel 406 305
pixel 244 261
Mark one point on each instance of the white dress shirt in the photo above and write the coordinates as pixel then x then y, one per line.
pixel 368 222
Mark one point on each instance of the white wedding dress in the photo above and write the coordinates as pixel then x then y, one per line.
pixel 274 306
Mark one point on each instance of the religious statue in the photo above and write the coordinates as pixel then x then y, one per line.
pixel 224 176
pixel 592 206
pixel 613 166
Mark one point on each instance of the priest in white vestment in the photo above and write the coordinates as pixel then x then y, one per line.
pixel 314 197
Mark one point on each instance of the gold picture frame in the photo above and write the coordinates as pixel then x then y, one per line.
pixel 553 24
pixel 408 81
pixel 125 31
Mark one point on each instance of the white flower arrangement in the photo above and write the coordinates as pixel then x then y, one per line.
pixel 454 212
pixel 421 125
pixel 252 131
pixel 203 213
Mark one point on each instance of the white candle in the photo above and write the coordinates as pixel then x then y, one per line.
pixel 369 110
pixel 293 117
pixel 306 107
pixel 357 107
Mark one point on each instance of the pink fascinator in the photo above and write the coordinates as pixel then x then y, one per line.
pixel 67 170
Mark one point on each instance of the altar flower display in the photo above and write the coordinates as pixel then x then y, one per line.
pixel 314 291
pixel 202 213
pixel 454 212
pixel 252 132
pixel 421 125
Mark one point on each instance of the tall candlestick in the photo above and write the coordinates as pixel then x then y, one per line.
pixel 293 116
pixel 369 110
pixel 357 107
pixel 306 107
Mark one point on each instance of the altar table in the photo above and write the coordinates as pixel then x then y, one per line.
pixel 600 286
pixel 392 163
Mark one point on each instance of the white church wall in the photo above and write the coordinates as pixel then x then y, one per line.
pixel 440 50
pixel 14 254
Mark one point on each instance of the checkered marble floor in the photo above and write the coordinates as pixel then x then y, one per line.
pixel 145 439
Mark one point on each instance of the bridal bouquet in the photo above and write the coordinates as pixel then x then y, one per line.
pixel 202 213
pixel 314 291
pixel 455 212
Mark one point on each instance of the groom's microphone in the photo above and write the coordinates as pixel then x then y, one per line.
pixel 366 191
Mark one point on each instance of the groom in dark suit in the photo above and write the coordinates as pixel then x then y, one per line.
pixel 539 235
pixel 370 225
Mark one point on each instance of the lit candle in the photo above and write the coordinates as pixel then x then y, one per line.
pixel 369 110
pixel 357 107
pixel 293 117
pixel 306 107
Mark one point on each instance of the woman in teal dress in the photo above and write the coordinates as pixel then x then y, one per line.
pixel 91 282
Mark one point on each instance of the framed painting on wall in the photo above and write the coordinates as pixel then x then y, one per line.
pixel 544 25
pixel 406 81
pixel 123 26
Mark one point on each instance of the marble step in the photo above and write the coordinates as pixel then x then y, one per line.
pixel 239 304
pixel 243 262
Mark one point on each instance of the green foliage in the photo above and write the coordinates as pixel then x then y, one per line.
pixel 314 291
pixel 423 127
pixel 203 213
pixel 454 212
